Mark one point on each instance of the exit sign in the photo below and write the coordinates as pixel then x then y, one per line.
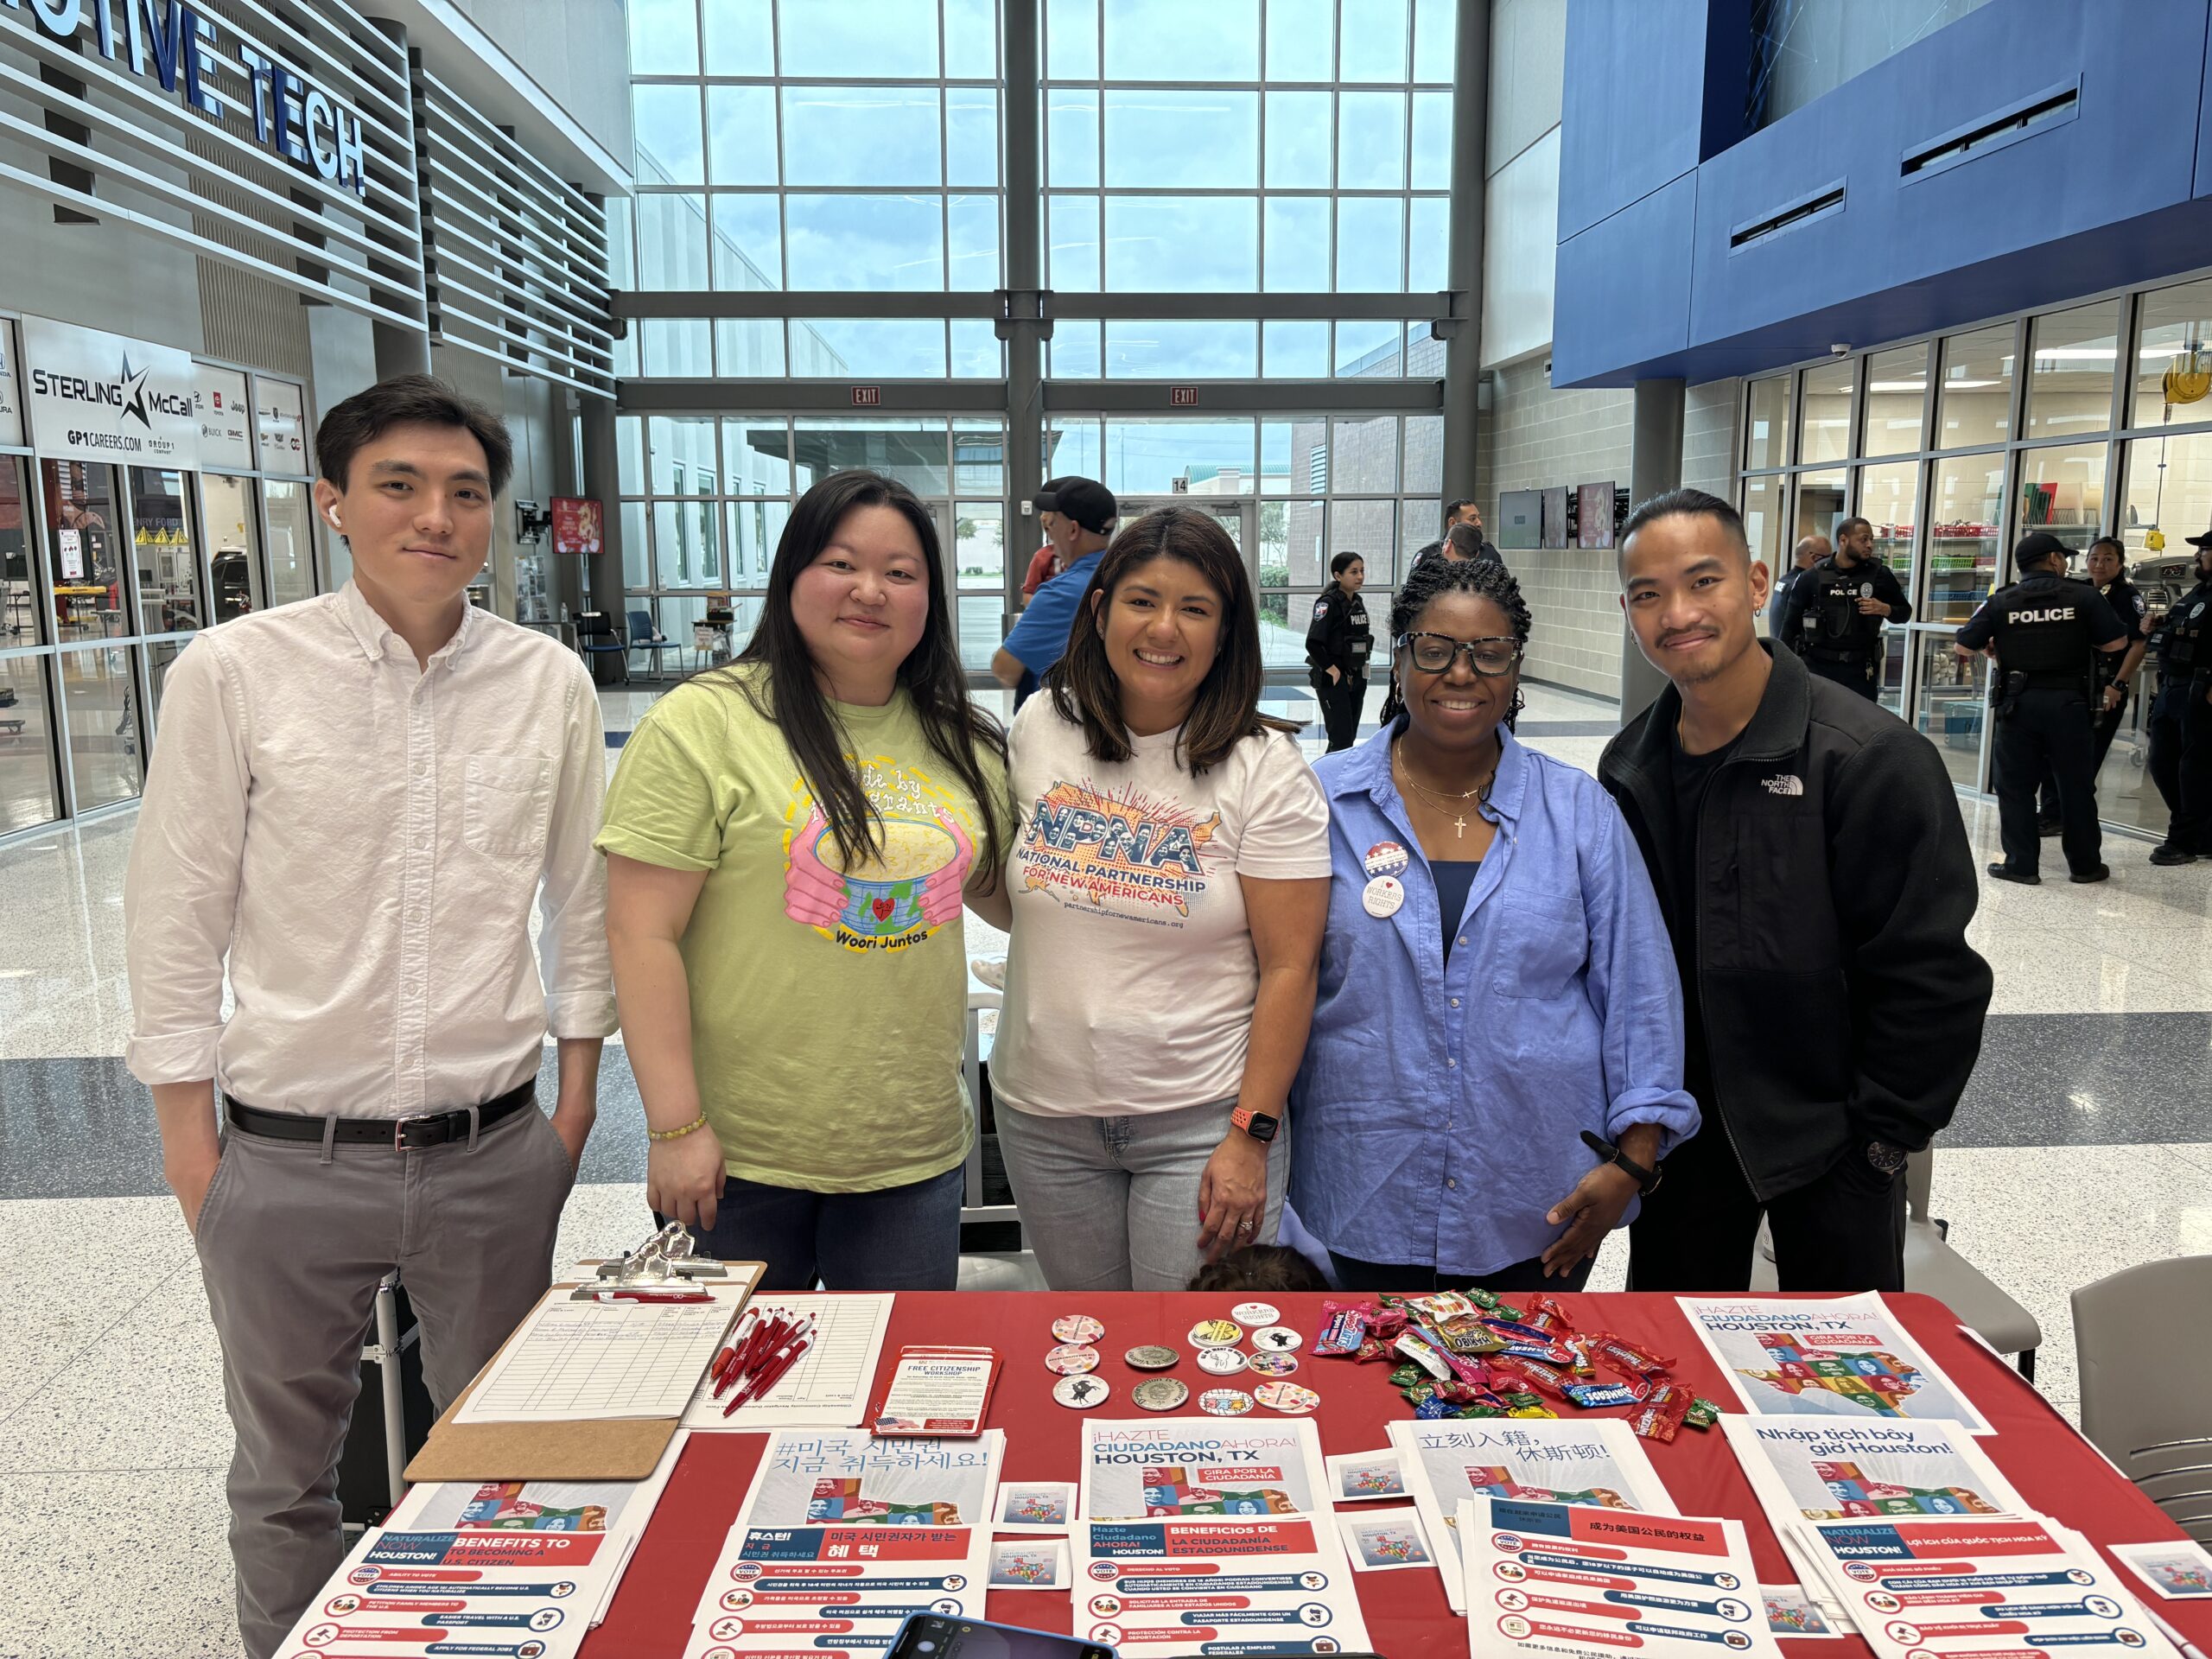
pixel 866 396
pixel 1182 397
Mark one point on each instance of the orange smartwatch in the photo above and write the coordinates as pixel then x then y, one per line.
pixel 1261 1126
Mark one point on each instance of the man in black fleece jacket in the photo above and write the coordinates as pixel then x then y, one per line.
pixel 1809 853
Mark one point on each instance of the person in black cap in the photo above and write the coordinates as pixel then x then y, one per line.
pixel 2114 675
pixel 1835 613
pixel 2043 630
pixel 2181 717
pixel 1078 514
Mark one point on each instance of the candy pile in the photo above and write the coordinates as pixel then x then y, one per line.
pixel 1470 1354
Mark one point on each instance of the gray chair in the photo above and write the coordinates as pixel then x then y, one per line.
pixel 2143 1339
pixel 1933 1267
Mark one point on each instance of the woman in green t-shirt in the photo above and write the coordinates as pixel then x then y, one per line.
pixel 790 841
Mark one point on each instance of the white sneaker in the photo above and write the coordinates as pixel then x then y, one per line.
pixel 991 969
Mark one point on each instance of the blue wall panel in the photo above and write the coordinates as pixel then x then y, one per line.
pixel 1633 268
pixel 1632 109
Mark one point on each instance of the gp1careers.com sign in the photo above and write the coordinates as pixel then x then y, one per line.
pixel 93 396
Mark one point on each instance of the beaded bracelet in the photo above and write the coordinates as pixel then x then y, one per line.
pixel 698 1122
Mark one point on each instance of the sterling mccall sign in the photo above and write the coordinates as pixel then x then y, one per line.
pixel 97 396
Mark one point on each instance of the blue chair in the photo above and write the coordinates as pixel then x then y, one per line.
pixel 595 637
pixel 646 637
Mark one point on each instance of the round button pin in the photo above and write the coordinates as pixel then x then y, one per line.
pixel 1222 1362
pixel 1253 1313
pixel 1382 896
pixel 1150 1357
pixel 1161 1394
pixel 1267 1364
pixel 1225 1402
pixel 1072 1359
pixel 1081 1393
pixel 1277 1340
pixel 1385 858
pixel 1287 1397
pixel 1078 1327
pixel 1217 1334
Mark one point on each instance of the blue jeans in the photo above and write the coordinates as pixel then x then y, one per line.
pixel 896 1238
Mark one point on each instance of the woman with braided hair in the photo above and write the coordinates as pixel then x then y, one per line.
pixel 1496 1063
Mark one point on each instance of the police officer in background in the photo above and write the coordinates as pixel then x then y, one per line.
pixel 1808 552
pixel 2043 630
pixel 2108 707
pixel 1835 611
pixel 1337 645
pixel 2181 717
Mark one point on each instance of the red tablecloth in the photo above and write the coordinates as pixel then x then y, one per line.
pixel 2055 1469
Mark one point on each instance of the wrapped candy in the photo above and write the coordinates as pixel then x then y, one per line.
pixel 1702 1414
pixel 1343 1325
pixel 1660 1416
pixel 1546 1314
pixel 1430 1359
pixel 1546 1379
pixel 1469 1335
pixel 1621 1355
pixel 1595 1396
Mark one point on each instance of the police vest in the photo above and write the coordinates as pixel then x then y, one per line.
pixel 2180 637
pixel 2126 605
pixel 2043 629
pixel 1834 625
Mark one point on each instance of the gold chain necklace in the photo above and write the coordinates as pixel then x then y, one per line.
pixel 1446 802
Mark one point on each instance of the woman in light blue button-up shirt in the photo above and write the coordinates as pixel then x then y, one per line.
pixel 1496 979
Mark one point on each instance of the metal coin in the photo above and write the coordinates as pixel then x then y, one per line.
pixel 1161 1394
pixel 1222 1362
pixel 1071 1359
pixel 1078 1327
pixel 1081 1393
pixel 1225 1402
pixel 1273 1364
pixel 1150 1358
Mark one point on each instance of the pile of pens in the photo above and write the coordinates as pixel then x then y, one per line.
pixel 760 1351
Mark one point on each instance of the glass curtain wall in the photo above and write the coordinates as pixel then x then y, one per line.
pixel 2091 419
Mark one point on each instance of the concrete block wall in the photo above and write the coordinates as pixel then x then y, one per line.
pixel 1710 417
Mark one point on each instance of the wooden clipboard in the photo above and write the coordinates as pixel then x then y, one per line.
pixel 623 1449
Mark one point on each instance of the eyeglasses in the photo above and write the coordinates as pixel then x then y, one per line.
pixel 1433 653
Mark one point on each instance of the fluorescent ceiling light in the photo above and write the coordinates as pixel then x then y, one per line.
pixel 1896 385
pixel 2075 353
pixel 1968 386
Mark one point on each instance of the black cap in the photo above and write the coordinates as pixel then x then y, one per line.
pixel 2037 546
pixel 1087 501
pixel 2205 540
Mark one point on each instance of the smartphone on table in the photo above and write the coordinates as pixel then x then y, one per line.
pixel 930 1635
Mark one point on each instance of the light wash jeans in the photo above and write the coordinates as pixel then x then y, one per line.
pixel 1112 1202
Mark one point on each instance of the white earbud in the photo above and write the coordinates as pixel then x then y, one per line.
pixel 332 514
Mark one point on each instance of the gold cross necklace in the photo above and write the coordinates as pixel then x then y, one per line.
pixel 1453 803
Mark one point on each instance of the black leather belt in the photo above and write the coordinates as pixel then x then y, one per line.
pixel 400 1133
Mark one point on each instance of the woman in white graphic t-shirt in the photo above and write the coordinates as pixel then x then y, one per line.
pixel 1169 885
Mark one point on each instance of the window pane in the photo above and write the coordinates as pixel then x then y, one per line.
pixel 1424 453
pixel 686 544
pixel 1367 528
pixel 865 242
pixel 1161 349
pixel 1291 538
pixel 741 134
pixel 1071 40
pixel 291 543
pixel 1374 42
pixel 873 136
pixel 100 703
pixel 1827 434
pixel 979 547
pixel 167 553
pixel 1148 457
pixel 666 121
pixel 672 242
pixel 978 457
pixel 1428 249
pixel 1762 510
pixel 27 795
pixel 1298 246
pixel 677 346
pixel 681 451
pixel 973 222
pixel 1974 397
pixel 663 38
pixel 1888 497
pixel 1766 424
pixel 1363 456
pixel 1367 348
pixel 748 243
pixel 2172 328
pixel 1071 447
pixel 1301 40
pixel 1432 157
pixel 1370 244
pixel 621 244
pixel 739 41
pixel 982 622
pixel 629 459
pixel 636 553
pixel 674 620
pixel 907 348
pixel 2063 491
pixel 1298 140
pixel 1371 141
pixel 757 451
pixel 1294 350
pixel 976 351
pixel 754 528
pixel 971 39
pixel 1948 708
pixel 1186 243
pixel 1075 351
pixel 748 347
pixel 971 136
pixel 234 544
pixel 1897 390
pixel 1965 518
pixel 84 549
pixel 1073 244
pixel 1819 505
pixel 913 452
pixel 1417 523
pixel 2069 371
pixel 896 38
pixel 1160 139
pixel 1072 137
pixel 1174 40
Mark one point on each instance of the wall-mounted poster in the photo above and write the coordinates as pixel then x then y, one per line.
pixel 220 401
pixel 1520 515
pixel 578 525
pixel 1594 524
pixel 94 396
pixel 1554 518
pixel 280 417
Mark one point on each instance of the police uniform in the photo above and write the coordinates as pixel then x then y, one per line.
pixel 2181 722
pixel 1822 622
pixel 2045 628
pixel 1340 637
pixel 2126 602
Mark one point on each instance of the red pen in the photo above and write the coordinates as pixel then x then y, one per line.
pixel 770 1336
pixel 719 1371
pixel 757 1381
pixel 771 1374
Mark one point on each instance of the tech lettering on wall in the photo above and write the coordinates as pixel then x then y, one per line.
pixel 92 396
pixel 177 43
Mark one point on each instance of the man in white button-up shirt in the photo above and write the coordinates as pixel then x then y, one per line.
pixel 358 798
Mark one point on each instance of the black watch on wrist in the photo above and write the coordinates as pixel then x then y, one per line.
pixel 1884 1157
pixel 1647 1181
